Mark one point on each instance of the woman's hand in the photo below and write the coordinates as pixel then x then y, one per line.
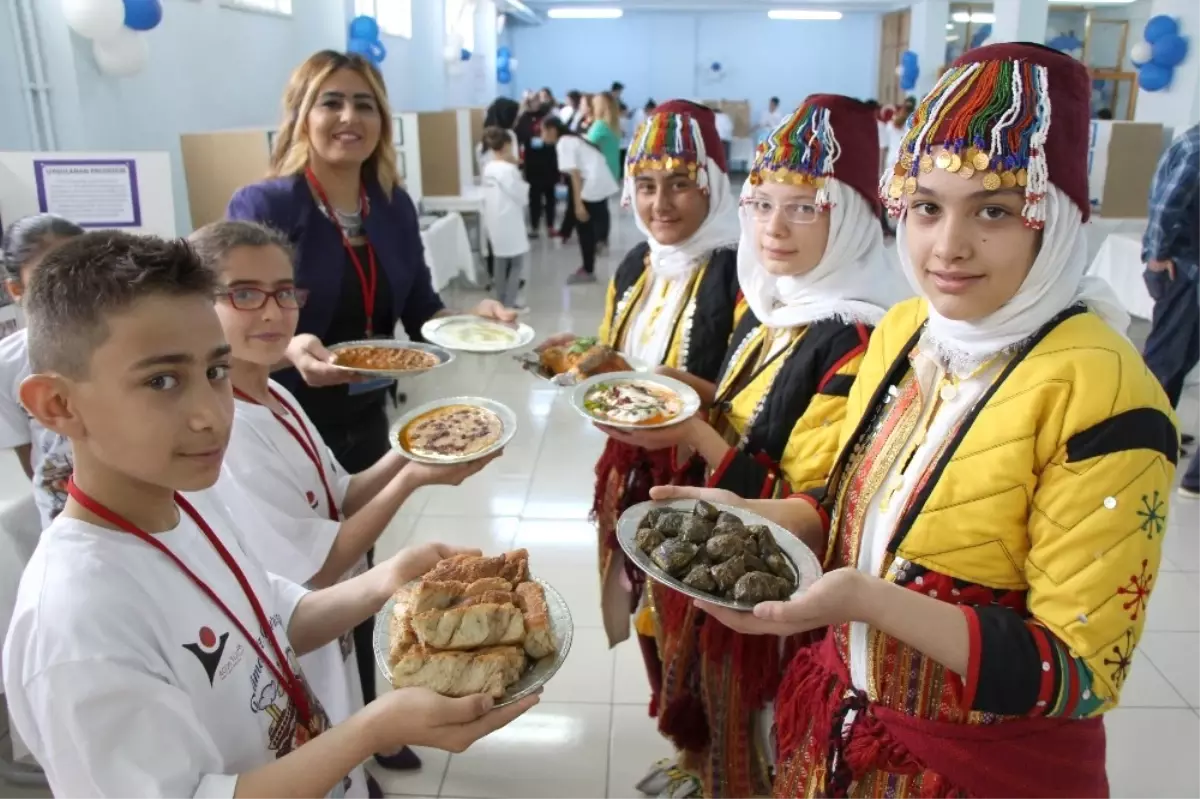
pixel 581 212
pixel 838 597
pixel 450 474
pixel 419 717
pixel 492 309
pixel 313 362
pixel 706 389
pixel 720 495
pixel 653 438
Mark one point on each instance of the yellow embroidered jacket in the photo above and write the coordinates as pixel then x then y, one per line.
pixel 1048 505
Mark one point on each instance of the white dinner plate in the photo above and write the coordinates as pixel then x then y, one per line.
pixel 444 357
pixel 507 418
pixel 689 399
pixel 468 333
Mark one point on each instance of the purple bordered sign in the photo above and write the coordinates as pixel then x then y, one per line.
pixel 92 193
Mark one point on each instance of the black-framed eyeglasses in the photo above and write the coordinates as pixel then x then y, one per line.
pixel 290 298
pixel 795 213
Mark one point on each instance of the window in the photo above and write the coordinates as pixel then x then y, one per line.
pixel 460 22
pixel 394 16
pixel 283 7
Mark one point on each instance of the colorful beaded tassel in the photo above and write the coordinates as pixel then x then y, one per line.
pixel 665 142
pixel 988 118
pixel 801 150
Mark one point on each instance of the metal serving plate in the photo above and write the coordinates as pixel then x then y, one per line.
pixel 536 674
pixel 805 564
pixel 687 394
pixel 469 333
pixel 531 363
pixel 507 418
pixel 444 357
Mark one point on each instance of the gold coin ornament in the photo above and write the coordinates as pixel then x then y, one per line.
pixel 943 160
pixel 980 161
pixel 955 163
pixel 906 161
pixel 967 172
pixel 927 163
pixel 896 190
pixel 910 186
pixel 1007 179
pixel 991 181
pixel 1022 177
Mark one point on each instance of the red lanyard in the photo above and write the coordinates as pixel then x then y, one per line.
pixel 367 278
pixel 306 442
pixel 287 678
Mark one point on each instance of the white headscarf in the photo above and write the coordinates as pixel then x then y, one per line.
pixel 719 229
pixel 1055 282
pixel 855 280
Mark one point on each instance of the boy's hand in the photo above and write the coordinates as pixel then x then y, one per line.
pixel 412 562
pixel 449 474
pixel 419 717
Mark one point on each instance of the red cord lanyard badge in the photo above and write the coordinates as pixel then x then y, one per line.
pixel 279 667
pixel 306 441
pixel 368 278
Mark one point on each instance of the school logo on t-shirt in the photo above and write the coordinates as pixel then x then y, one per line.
pixel 312 499
pixel 208 651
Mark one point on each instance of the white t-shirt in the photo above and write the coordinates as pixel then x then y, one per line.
pixel 267 468
pixel 598 181
pixel 126 680
pixel 505 195
pixel 724 126
pixel 50 453
pixel 770 120
pixel 484 156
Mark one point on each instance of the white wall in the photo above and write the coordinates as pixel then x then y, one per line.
pixel 14 116
pixel 1178 106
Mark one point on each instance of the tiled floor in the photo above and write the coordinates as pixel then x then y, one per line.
pixel 591 736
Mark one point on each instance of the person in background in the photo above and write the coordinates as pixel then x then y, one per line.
pixel 993 525
pixel 44 455
pixel 336 192
pixel 541 165
pixel 812 268
pixel 604 130
pixel 1104 114
pixel 639 119
pixel 505 195
pixel 770 118
pixel 502 114
pixel 574 116
pixel 725 131
pixel 1171 251
pixel 573 110
pixel 592 183
pixel 545 97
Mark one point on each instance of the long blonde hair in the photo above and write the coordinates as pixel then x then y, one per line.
pixel 608 111
pixel 292 150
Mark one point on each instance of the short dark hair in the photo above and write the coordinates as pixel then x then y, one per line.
pixel 873 104
pixel 29 236
pixel 574 95
pixel 1104 113
pixel 88 279
pixel 494 138
pixel 775 100
pixel 650 105
pixel 213 242
pixel 617 86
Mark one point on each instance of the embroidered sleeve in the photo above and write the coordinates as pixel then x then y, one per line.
pixel 606 322
pixel 1096 524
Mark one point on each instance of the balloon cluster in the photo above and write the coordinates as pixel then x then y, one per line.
pixel 115 29
pixel 1157 56
pixel 908 70
pixel 506 65
pixel 364 39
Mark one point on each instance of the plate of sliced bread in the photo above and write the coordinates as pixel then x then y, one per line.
pixel 475 625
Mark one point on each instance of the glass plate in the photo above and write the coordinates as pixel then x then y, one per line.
pixel 468 333
pixel 805 564
pixel 690 399
pixel 536 674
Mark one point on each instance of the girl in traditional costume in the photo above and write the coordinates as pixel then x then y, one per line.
pixel 813 270
pixel 992 527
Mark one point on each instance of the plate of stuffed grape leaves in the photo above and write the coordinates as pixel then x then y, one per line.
pixel 718 553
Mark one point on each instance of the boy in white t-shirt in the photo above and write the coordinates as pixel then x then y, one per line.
pixel 45 456
pixel 505 197
pixel 322 520
pixel 148 653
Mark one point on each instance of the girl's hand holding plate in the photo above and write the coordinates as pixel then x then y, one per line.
pixel 314 363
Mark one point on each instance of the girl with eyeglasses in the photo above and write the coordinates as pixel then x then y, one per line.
pixel 812 267
pixel 324 519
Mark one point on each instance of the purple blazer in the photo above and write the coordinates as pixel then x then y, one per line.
pixel 287 204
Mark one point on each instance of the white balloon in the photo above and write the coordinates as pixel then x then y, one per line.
pixel 122 55
pixel 1140 53
pixel 512 65
pixel 94 19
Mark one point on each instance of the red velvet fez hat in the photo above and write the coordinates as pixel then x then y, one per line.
pixel 670 132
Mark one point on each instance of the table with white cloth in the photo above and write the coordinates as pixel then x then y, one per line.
pixel 448 249
pixel 1119 262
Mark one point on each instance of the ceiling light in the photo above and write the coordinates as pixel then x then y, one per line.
pixel 1090 2
pixel 952 38
pixel 949 26
pixel 584 13
pixel 979 17
pixel 798 13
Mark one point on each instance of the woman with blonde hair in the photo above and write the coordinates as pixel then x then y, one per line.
pixel 605 130
pixel 334 190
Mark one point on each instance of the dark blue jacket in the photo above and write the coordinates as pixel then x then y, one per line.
pixel 287 204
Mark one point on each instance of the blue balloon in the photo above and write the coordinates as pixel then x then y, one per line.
pixel 1153 78
pixel 908 57
pixel 502 58
pixel 378 52
pixel 364 27
pixel 362 47
pixel 1169 51
pixel 143 15
pixel 1160 26
pixel 715 66
pixel 503 76
pixel 464 54
pixel 504 52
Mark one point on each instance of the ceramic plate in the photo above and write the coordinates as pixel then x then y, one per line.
pixel 689 399
pixel 507 418
pixel 805 564
pixel 443 357
pixel 469 333
pixel 536 674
